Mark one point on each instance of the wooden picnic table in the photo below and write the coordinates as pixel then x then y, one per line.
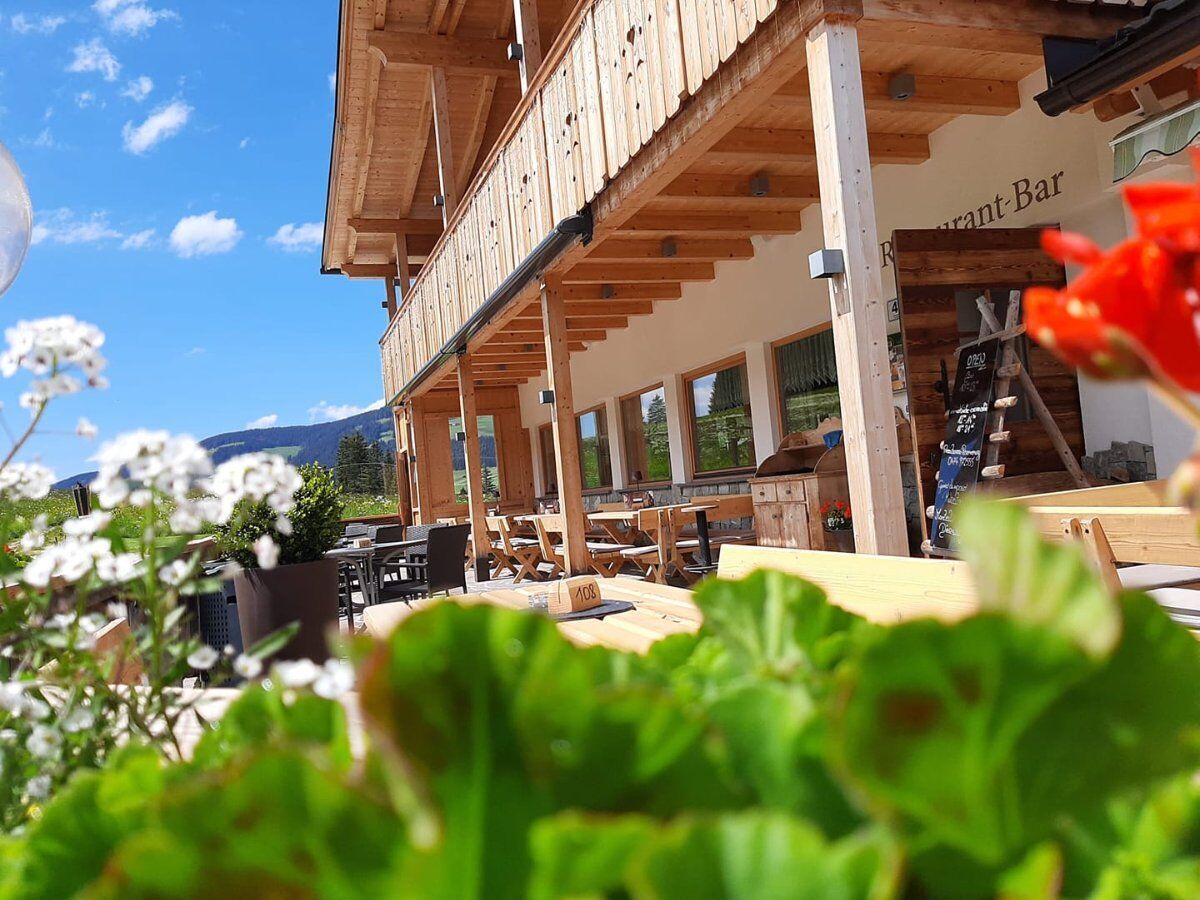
pixel 619 524
pixel 659 611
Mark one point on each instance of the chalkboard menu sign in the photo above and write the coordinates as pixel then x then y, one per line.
pixel 966 433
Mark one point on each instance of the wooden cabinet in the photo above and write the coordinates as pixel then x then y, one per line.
pixel 787 508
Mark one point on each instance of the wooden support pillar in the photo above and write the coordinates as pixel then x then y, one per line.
pixel 525 18
pixel 474 462
pixel 404 504
pixel 389 285
pixel 441 137
pixel 566 432
pixel 423 512
pixel 859 314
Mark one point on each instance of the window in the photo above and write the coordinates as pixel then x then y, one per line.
pixel 487 456
pixel 644 426
pixel 593 449
pixel 722 435
pixel 806 372
pixel 549 464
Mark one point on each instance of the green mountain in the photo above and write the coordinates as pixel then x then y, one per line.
pixel 299 443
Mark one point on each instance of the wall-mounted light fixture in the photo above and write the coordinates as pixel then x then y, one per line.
pixel 826 264
pixel 439 200
pixel 516 52
pixel 760 185
pixel 546 398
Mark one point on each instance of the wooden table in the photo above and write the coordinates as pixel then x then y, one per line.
pixel 620 524
pixel 659 611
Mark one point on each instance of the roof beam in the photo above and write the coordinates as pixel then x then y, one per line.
pixel 1032 17
pixel 476 56
pixel 397 226
pixel 786 144
pixel 670 249
pixel 659 222
pixel 740 192
pixel 617 292
pixel 666 270
pixel 934 94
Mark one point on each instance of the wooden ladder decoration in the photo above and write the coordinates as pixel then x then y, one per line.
pixel 1010 368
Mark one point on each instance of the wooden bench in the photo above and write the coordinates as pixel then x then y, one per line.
pixel 515 554
pixel 883 589
pixel 605 558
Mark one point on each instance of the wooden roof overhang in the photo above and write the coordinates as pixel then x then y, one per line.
pixel 682 170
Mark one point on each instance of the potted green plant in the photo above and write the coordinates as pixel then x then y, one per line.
pixel 285 576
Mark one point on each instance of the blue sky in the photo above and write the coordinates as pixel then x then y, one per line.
pixel 166 143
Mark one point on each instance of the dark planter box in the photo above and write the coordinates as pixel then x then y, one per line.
pixel 270 599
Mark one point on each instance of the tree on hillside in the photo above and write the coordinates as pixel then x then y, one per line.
pixel 491 491
pixel 359 466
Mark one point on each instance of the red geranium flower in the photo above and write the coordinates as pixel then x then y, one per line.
pixel 1135 311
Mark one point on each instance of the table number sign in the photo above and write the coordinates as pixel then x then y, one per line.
pixel 581 594
pixel 966 434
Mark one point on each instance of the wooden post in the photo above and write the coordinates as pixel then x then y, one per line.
pixel 525 18
pixel 404 505
pixel 566 432
pixel 859 314
pixel 417 458
pixel 389 285
pixel 441 137
pixel 470 423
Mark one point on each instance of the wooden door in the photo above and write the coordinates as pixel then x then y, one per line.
pixel 938 274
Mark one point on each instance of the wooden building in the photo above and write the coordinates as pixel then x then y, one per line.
pixel 582 212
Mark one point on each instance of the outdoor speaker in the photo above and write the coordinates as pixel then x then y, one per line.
pixel 545 397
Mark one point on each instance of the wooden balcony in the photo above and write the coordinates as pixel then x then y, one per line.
pixel 659 113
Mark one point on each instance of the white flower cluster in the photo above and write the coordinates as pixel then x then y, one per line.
pixel 49 348
pixel 73 557
pixel 26 481
pixel 256 476
pixel 140 460
pixel 330 681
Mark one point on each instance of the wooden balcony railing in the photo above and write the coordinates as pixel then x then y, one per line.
pixel 619 70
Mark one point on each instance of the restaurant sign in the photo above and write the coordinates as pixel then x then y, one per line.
pixel 1019 196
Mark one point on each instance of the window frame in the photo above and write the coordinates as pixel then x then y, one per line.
pixel 780 400
pixel 660 386
pixel 692 449
pixel 602 410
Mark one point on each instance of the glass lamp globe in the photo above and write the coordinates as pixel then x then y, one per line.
pixel 16 219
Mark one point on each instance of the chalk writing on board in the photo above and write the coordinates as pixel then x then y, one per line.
pixel 966 433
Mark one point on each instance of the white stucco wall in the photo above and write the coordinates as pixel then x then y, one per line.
pixel 980 168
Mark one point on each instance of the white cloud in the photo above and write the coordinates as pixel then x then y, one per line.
pixel 204 235
pixel 267 421
pixel 331 412
pixel 245 142
pixel 139 240
pixel 23 24
pixel 132 17
pixel 165 122
pixel 85 99
pixel 64 226
pixel 138 89
pixel 95 57
pixel 298 238
pixel 196 351
pixel 333 82
pixel 44 141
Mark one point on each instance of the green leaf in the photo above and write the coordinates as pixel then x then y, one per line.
pixel 774 623
pixel 274 642
pixel 581 856
pixel 776 742
pixel 260 718
pixel 1018 573
pixel 770 856
pixel 930 719
pixel 499 721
